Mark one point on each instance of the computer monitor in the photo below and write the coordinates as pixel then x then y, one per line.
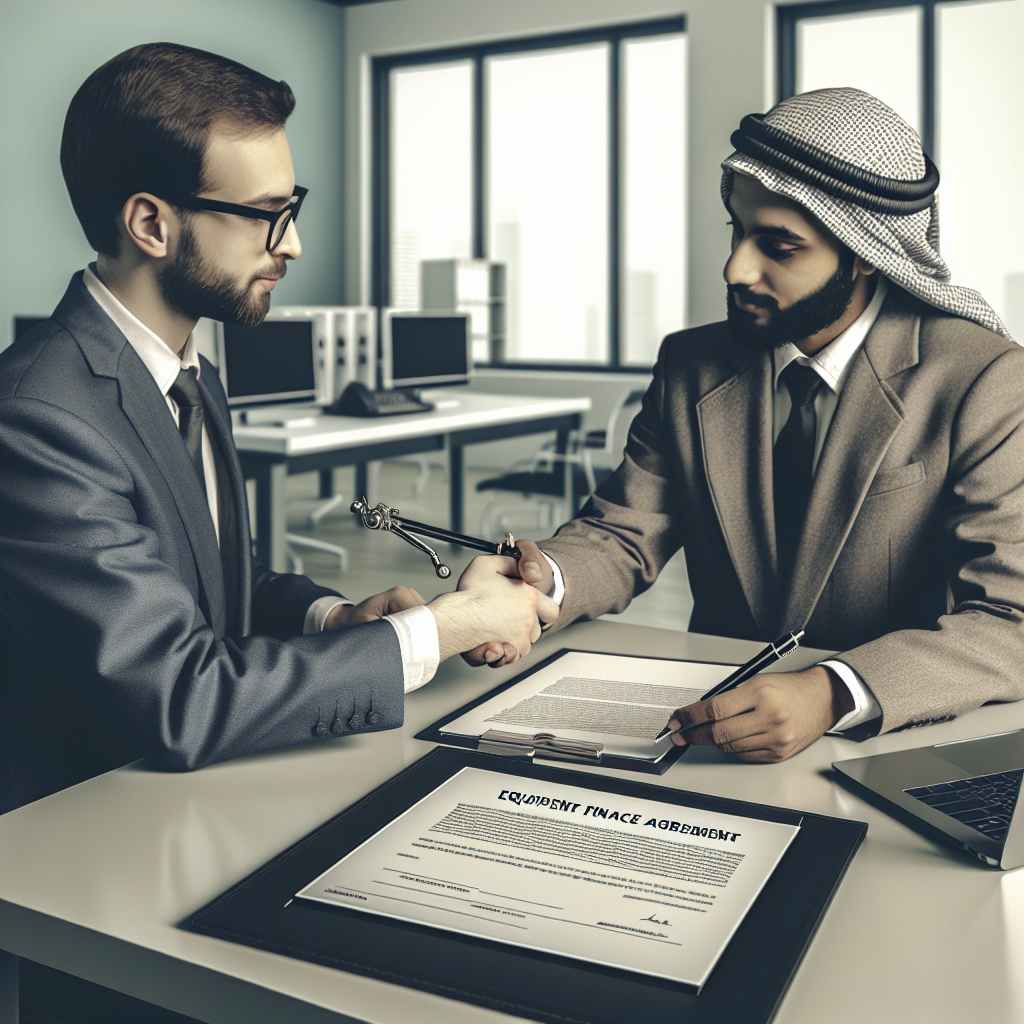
pixel 425 349
pixel 271 364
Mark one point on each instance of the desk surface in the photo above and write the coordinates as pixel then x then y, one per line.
pixel 95 878
pixel 456 410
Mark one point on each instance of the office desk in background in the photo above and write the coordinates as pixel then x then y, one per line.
pixel 96 878
pixel 271 454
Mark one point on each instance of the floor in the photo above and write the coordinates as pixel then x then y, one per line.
pixel 378 561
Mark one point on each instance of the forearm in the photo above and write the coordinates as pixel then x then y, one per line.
pixel 608 555
pixel 917 675
pixel 459 627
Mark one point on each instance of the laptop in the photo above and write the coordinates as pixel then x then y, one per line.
pixel 964 792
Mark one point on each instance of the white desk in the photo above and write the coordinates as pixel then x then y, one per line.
pixel 270 454
pixel 94 879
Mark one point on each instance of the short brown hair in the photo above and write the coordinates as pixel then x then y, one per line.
pixel 140 123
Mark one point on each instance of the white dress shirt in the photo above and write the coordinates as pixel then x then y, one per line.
pixel 416 627
pixel 832 364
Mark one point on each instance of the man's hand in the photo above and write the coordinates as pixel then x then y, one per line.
pixel 394 600
pixel 768 718
pixel 532 568
pixel 492 608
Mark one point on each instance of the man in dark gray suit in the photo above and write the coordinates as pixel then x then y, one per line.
pixel 844 455
pixel 134 620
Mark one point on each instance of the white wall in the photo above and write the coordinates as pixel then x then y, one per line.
pixel 49 47
pixel 729 47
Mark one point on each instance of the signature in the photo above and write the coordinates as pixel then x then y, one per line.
pixel 654 920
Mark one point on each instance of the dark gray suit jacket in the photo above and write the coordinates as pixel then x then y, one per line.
pixel 116 639
pixel 912 557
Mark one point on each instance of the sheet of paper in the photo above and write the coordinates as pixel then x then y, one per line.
pixel 619 701
pixel 636 884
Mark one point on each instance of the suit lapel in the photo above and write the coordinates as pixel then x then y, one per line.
pixel 110 355
pixel 735 426
pixel 146 409
pixel 866 420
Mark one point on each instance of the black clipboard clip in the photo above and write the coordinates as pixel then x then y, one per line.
pixel 542 744
pixel 383 517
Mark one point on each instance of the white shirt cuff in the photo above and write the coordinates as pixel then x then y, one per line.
pixel 865 706
pixel 318 611
pixel 558 589
pixel 417 637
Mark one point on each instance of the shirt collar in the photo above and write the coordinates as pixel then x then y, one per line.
pixel 161 362
pixel 833 362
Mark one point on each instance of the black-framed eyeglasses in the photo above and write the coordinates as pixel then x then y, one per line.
pixel 278 219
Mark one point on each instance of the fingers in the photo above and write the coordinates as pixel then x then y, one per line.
pixel 511 656
pixel 767 720
pixel 534 568
pixel 547 610
pixel 397 599
pixel 733 736
pixel 485 654
pixel 535 631
pixel 725 705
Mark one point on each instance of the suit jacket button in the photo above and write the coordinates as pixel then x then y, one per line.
pixel 320 729
pixel 337 726
pixel 356 721
pixel 373 718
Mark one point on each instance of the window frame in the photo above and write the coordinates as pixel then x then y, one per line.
pixel 476 53
pixel 787 18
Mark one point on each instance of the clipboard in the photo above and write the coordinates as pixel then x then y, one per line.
pixel 540 752
pixel 747 984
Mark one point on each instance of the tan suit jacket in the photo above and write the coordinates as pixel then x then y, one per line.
pixel 912 558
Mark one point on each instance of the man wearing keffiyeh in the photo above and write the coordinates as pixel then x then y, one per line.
pixel 844 454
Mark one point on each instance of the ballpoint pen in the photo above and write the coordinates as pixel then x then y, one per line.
pixel 383 517
pixel 771 654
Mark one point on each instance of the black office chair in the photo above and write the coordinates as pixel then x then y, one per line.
pixel 541 480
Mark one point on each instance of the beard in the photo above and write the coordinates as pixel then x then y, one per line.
pixel 804 318
pixel 192 287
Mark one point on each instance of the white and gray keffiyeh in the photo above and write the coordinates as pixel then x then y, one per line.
pixel 859 168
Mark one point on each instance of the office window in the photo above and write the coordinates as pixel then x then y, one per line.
pixel 879 50
pixel 980 134
pixel 952 68
pixel 547 201
pixel 431 171
pixel 562 157
pixel 653 285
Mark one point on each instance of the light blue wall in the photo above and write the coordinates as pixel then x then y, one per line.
pixel 49 47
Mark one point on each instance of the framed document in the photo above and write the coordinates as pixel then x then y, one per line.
pixel 541 859
pixel 631 883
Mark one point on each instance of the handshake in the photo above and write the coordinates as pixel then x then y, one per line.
pixel 492 618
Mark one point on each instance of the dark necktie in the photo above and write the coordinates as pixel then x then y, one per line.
pixel 793 462
pixel 185 392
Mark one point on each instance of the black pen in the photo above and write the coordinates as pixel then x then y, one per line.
pixel 771 654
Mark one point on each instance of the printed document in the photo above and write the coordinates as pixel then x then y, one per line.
pixel 619 701
pixel 635 884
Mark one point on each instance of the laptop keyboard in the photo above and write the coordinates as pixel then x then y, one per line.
pixel 985 802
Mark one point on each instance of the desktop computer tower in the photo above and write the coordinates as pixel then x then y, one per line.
pixel 355 347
